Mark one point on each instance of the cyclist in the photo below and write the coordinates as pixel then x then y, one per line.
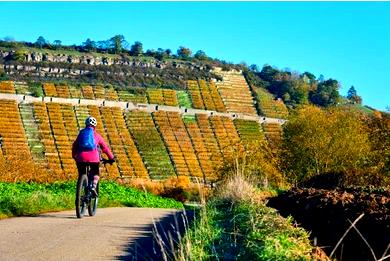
pixel 89 156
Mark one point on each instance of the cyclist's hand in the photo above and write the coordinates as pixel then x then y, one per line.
pixel 111 161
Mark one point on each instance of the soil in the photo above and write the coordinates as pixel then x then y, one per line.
pixel 327 215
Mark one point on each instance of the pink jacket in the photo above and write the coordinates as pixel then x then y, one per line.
pixel 93 155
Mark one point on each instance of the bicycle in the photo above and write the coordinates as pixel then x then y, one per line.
pixel 85 198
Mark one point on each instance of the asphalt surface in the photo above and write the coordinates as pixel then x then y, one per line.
pixel 113 234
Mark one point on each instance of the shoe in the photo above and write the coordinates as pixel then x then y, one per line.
pixel 94 192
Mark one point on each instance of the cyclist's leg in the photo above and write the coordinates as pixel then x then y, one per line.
pixel 82 168
pixel 94 173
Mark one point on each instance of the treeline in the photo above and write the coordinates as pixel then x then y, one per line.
pixel 119 45
pixel 299 88
pixel 292 87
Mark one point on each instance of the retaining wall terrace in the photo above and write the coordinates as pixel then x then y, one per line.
pixel 19 98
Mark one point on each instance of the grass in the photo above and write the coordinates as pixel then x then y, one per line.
pixel 237 225
pixel 27 199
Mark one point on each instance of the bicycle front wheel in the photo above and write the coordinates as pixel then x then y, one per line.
pixel 81 195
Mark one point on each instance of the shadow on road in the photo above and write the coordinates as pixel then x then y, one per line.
pixel 164 232
pixel 56 215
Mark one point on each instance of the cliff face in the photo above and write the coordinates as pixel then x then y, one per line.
pixel 36 57
pixel 123 70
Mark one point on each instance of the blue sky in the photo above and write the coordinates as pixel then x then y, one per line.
pixel 347 41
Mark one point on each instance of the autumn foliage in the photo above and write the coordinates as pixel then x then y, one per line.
pixel 255 160
pixel 179 188
pixel 336 140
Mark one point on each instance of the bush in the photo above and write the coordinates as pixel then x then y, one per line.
pixel 255 160
pixel 320 141
pixel 3 75
pixel 36 89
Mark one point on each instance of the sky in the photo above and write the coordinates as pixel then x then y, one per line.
pixel 346 41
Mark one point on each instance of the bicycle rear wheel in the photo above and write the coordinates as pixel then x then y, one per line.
pixel 93 203
pixel 81 195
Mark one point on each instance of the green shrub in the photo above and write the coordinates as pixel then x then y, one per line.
pixel 36 89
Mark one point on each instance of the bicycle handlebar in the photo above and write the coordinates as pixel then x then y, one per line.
pixel 105 161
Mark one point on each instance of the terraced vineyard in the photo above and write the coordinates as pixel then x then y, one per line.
pixel 235 92
pixel 147 144
pixel 7 87
pixel 269 106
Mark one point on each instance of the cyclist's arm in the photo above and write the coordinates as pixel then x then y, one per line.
pixel 74 148
pixel 104 147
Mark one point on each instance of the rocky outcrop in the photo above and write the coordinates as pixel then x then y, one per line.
pixel 88 59
pixel 119 70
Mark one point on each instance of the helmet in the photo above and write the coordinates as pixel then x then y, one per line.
pixel 90 121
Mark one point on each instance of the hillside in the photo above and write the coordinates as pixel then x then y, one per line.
pixel 181 121
pixel 31 64
pixel 154 133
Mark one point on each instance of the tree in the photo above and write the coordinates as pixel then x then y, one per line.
pixel 351 92
pixel 296 88
pixel 40 42
pixel 268 73
pixel 150 52
pixel 201 55
pixel 318 141
pixel 160 54
pixel 254 68
pixel 353 97
pixel 136 49
pixel 103 45
pixel 184 53
pixel 326 94
pixel 89 45
pixel 168 52
pixel 309 76
pixel 118 43
pixel 57 43
pixel 379 133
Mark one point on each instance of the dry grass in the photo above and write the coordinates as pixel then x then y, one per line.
pixel 385 255
pixel 179 188
pixel 236 188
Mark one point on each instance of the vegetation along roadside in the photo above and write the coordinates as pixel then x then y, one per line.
pixel 27 199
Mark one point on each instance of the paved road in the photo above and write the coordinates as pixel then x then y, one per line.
pixel 113 234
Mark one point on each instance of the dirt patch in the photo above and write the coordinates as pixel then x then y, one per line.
pixel 326 213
